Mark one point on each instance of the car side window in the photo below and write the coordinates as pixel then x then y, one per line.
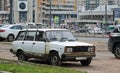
pixel 21 35
pixel 39 36
pixel 15 27
pixel 30 35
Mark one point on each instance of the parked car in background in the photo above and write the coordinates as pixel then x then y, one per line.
pixel 110 28
pixel 10 32
pixel 1 25
pixel 114 42
pixel 82 30
pixel 52 45
pixel 96 31
pixel 34 25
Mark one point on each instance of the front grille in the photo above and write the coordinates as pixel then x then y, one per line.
pixel 80 49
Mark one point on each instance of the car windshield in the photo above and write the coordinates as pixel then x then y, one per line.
pixel 60 35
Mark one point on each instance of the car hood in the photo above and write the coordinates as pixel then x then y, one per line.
pixel 76 43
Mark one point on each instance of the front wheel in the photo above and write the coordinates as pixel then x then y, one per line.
pixel 86 62
pixel 54 59
pixel 21 56
pixel 117 51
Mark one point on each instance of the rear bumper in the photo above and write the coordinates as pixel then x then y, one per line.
pixel 2 35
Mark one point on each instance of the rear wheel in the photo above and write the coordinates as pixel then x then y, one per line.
pixel 86 62
pixel 117 51
pixel 54 59
pixel 10 38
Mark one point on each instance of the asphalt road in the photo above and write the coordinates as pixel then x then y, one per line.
pixel 104 62
pixel 92 39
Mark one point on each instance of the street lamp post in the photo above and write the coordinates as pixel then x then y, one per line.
pixel 106 14
pixel 11 8
pixel 50 15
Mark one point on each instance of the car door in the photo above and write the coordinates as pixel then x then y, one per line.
pixel 18 43
pixel 39 44
pixel 27 44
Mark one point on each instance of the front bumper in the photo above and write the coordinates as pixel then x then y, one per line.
pixel 80 55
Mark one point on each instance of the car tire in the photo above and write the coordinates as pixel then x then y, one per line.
pixel 86 62
pixel 1 39
pixel 117 51
pixel 54 59
pixel 10 38
pixel 21 56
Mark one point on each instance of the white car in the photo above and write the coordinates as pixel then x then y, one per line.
pixel 10 32
pixel 52 45
pixel 96 31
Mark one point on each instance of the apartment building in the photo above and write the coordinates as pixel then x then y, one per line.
pixel 4 11
pixel 60 11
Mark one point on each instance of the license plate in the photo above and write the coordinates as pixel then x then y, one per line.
pixel 81 58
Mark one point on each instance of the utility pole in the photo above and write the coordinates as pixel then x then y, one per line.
pixel 50 15
pixel 106 17
pixel 11 9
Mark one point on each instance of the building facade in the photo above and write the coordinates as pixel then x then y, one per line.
pixel 60 11
pixel 98 14
pixel 92 4
pixel 4 11
pixel 101 13
pixel 23 11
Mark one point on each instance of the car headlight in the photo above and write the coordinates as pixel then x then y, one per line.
pixel 68 50
pixel 91 49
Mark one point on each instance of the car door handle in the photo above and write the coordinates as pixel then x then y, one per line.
pixel 22 42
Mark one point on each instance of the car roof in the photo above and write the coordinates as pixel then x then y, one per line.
pixel 41 29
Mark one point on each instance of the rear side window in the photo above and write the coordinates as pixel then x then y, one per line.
pixel 21 35
pixel 39 36
pixel 16 27
pixel 30 35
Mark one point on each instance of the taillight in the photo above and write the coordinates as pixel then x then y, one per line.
pixel 2 30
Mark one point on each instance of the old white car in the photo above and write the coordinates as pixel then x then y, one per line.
pixel 52 45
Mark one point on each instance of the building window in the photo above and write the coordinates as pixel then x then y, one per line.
pixel 23 16
pixel 111 2
pixel 0 5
